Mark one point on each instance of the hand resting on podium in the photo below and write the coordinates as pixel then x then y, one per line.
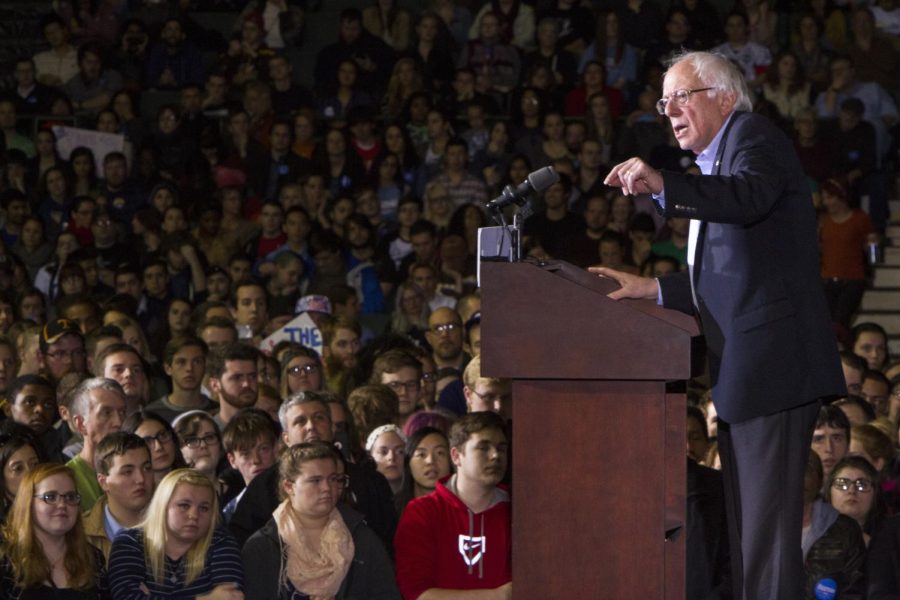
pixel 633 286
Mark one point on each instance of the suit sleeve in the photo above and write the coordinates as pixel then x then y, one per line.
pixel 675 289
pixel 750 192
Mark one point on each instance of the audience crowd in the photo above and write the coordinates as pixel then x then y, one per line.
pixel 240 326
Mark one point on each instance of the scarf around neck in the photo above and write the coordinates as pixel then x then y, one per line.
pixel 316 572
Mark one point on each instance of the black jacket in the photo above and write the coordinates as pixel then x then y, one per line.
pixel 371 574
pixel 369 493
pixel 839 555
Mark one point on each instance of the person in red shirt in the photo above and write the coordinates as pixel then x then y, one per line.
pixel 844 233
pixel 455 542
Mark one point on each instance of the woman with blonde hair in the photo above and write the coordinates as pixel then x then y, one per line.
pixel 311 547
pixel 405 80
pixel 179 551
pixel 411 311
pixel 44 548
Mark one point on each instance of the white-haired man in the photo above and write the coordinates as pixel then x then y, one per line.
pixel 753 279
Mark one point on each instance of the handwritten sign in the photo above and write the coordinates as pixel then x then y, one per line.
pixel 301 329
pixel 101 144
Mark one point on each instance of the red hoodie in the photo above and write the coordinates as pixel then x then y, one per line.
pixel 440 543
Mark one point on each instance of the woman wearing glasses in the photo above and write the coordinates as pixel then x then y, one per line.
pixel 160 438
pixel 201 444
pixel 178 552
pixel 301 371
pixel 853 489
pixel 45 552
pixel 311 547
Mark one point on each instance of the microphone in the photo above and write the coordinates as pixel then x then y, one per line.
pixel 537 181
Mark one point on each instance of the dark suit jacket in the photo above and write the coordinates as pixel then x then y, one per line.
pixel 768 332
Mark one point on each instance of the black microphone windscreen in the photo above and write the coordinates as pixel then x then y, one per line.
pixel 542 179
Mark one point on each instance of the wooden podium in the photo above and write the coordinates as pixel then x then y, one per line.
pixel 599 458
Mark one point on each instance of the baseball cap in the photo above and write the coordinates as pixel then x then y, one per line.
pixel 54 330
pixel 314 303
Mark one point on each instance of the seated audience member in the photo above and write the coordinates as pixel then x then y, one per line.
pixel 854 489
pixel 201 443
pixel 857 410
pixel 833 546
pixel 305 417
pixel 301 371
pixel 876 390
pixel 831 437
pixel 428 555
pixel 125 474
pixel 178 551
pixel 340 350
pixel 870 342
pixel 123 363
pixel 402 372
pixel 425 462
pixel 372 406
pixel 233 379
pixel 312 546
pixel 184 361
pixel 853 366
pixel 19 454
pixel 250 440
pixel 874 445
pixel 445 336
pixel 160 439
pixel 44 549
pixel 97 409
pixel 386 445
pixel 61 349
pixel 31 401
pixel 486 393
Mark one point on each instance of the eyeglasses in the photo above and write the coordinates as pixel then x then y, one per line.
pixel 429 377
pixel 209 439
pixel 64 354
pixel 53 498
pixel 409 386
pixel 445 328
pixel 680 96
pixel 162 437
pixel 337 480
pixel 301 370
pixel 860 485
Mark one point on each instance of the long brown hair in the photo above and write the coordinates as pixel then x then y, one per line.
pixel 29 563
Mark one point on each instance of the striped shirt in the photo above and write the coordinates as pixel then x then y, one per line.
pixel 130 577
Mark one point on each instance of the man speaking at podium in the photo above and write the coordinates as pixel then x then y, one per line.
pixel 753 280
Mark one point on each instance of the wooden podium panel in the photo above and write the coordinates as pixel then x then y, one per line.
pixel 599 458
